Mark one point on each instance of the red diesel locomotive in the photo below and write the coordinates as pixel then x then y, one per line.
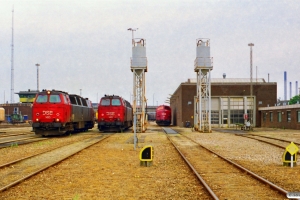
pixel 163 115
pixel 57 112
pixel 114 114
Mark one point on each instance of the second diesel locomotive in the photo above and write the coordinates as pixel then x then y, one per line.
pixel 114 114
pixel 57 112
pixel 163 115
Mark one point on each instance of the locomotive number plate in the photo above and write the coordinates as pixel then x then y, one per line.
pixel 47 112
pixel 110 113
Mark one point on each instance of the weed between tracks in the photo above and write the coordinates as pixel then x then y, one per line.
pixel 42 143
pixel 14 145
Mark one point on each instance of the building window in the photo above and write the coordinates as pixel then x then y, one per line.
pixel 271 116
pixel 224 103
pixel 225 116
pixel 288 114
pixel 236 116
pixel 214 117
pixel 264 116
pixel 279 116
pixel 298 116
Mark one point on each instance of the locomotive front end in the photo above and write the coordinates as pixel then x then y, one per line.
pixel 49 113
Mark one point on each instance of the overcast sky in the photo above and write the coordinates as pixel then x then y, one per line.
pixel 86 45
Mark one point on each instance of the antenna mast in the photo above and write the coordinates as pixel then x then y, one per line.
pixel 12 60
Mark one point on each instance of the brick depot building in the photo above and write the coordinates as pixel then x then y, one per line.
pixel 229 100
pixel 287 116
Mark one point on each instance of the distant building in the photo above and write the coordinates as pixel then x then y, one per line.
pixel 230 97
pixel 27 96
pixel 24 107
pixel 287 117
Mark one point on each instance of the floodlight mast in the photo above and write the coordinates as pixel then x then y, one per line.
pixel 12 60
pixel 251 85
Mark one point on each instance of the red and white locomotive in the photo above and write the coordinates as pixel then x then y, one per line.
pixel 57 112
pixel 114 113
pixel 163 115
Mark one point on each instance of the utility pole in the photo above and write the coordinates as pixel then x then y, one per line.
pixel 251 86
pixel 153 99
pixel 12 60
pixel 37 76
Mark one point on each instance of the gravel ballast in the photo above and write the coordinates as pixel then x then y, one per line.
pixel 111 169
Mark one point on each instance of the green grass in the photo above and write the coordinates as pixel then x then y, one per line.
pixel 76 197
pixel 43 143
pixel 13 145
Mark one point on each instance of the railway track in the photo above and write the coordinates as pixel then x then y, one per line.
pixel 281 143
pixel 4 126
pixel 17 171
pixel 13 134
pixel 223 178
pixel 18 139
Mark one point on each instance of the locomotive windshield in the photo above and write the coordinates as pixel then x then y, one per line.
pixel 42 98
pixel 105 102
pixel 54 98
pixel 115 102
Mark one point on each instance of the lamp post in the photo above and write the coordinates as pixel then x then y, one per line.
pixel 251 86
pixel 37 75
pixel 132 30
pixel 153 99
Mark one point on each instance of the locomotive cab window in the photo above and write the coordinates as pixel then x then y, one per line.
pixel 115 102
pixel 54 98
pixel 79 101
pixel 73 100
pixel 41 98
pixel 84 102
pixel 105 102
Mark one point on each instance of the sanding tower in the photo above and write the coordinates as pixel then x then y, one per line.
pixel 203 66
pixel 139 68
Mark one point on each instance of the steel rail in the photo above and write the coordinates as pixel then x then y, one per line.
pixel 46 167
pixel 21 139
pixel 195 171
pixel 14 134
pixel 27 157
pixel 267 142
pixel 281 190
pixel 282 140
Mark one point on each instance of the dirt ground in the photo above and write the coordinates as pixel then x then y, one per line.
pixel 111 169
